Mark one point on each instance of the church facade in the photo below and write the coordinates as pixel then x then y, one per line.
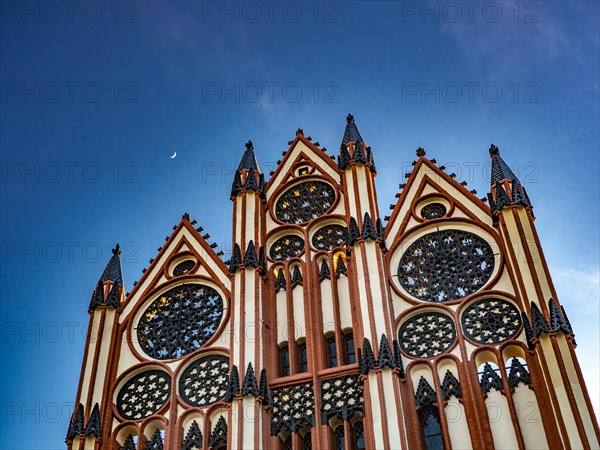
pixel 327 329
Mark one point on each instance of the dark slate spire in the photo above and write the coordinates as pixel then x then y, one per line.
pixel 359 154
pixel 425 394
pixel 280 281
pixel 386 358
pixel 93 426
pixel 351 133
pixel 368 231
pixel 502 200
pixel 296 277
pixel 250 386
pixel 528 331
pixel 263 388
pixel 248 161
pixel 236 258
pixel 368 356
pixel 233 388
pixel 353 231
pixel 557 321
pixel 569 327
pixel 97 297
pixel 76 425
pixel 343 158
pixel 129 444
pixel 114 297
pixel 517 374
pixel 490 380
pixel 113 271
pixel 398 357
pixel 250 259
pixel 371 159
pixel 237 183
pixel 500 170
pixel 450 387
pixel 518 194
pixel 219 433
pixel 193 438
pixel 251 184
pixel 156 442
pixel 538 323
pixel 340 268
pixel 324 272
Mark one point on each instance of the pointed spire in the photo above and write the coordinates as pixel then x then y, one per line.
pixel 250 386
pixel 368 356
pixel 371 160
pixel 219 433
pixel 425 394
pixel 490 379
pixel 518 195
pixel 398 358
pixel 351 133
pixel 237 184
pixel 450 387
pixel 569 327
pixel 93 426
pixel 557 321
pixel 538 322
pixel 528 331
pixel 353 232
pixel 368 231
pixel 280 280
pixel 358 155
pixel 324 272
pixel 263 389
pixel 361 362
pixel 236 258
pixel 500 170
pixel 517 374
pixel 502 200
pixel 340 268
pixel 251 184
pixel 250 259
pixel 233 388
pixel 156 441
pixel 248 161
pixel 129 444
pixel 97 297
pixel 343 158
pixel 76 425
pixel 379 227
pixel 114 297
pixel 386 358
pixel 193 438
pixel 296 277
pixel 113 271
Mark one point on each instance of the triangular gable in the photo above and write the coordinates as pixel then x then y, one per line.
pixel 184 240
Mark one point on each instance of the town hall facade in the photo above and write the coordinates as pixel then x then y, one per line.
pixel 333 327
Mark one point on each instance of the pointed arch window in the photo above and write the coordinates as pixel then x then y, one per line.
pixel 359 436
pixel 302 357
pixel 430 427
pixel 349 347
pixel 284 360
pixel 307 441
pixel 332 356
pixel 339 438
pixel 287 444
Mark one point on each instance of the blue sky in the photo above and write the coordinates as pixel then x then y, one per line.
pixel 95 98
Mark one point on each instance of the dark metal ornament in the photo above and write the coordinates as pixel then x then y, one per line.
pixel 329 237
pixel 491 321
pixel 304 202
pixel 427 335
pixel 205 381
pixel 286 247
pixel 144 394
pixel 183 268
pixel 446 265
pixel 340 398
pixel 180 321
pixel 433 211
pixel 292 408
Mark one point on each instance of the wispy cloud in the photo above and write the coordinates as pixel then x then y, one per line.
pixel 579 287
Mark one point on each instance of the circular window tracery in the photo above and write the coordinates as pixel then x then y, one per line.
pixel 491 321
pixel 183 267
pixel 180 321
pixel 329 237
pixel 433 211
pixel 446 265
pixel 427 335
pixel 287 247
pixel 304 202
pixel 204 381
pixel 144 394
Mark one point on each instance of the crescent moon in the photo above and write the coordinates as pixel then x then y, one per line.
pixel 174 155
